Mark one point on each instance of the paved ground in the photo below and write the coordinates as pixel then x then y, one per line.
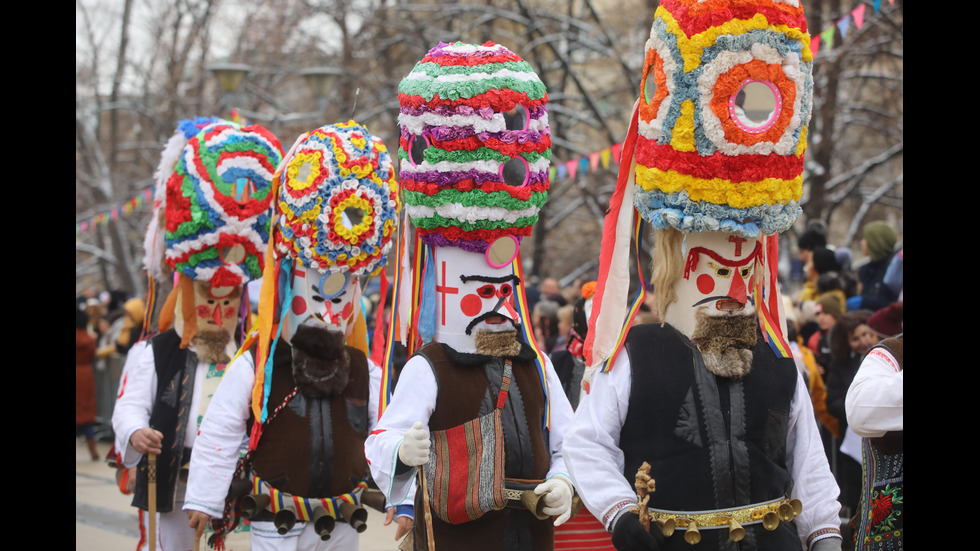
pixel 105 521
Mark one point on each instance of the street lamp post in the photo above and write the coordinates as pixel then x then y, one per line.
pixel 321 81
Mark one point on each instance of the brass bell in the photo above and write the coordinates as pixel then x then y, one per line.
pixel 533 502
pixel 254 504
pixel 354 515
pixel 797 506
pixel 692 536
pixel 770 521
pixel 667 526
pixel 785 512
pixel 284 521
pixel 735 531
pixel 323 523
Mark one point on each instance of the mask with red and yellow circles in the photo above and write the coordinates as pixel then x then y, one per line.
pixel 718 279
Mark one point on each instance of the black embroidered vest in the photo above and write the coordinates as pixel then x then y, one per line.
pixel 713 442
pixel 175 369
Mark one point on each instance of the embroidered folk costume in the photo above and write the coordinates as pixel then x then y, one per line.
pixel 307 407
pixel 876 411
pixel 210 227
pixel 476 421
pixel 708 403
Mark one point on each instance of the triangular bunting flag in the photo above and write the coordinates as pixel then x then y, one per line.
pixel 594 160
pixel 827 37
pixel 616 150
pixel 815 45
pixel 843 25
pixel 572 167
pixel 858 14
pixel 604 157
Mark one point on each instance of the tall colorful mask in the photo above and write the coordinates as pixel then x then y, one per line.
pixel 716 143
pixel 474 159
pixel 336 213
pixel 218 205
pixel 338 205
pixel 475 145
pixel 725 100
pixel 211 226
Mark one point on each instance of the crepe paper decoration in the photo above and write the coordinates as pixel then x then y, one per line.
pixel 698 168
pixel 338 199
pixel 474 129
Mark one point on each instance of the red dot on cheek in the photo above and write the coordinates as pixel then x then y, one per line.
pixel 299 306
pixel 471 305
pixel 228 312
pixel 346 312
pixel 204 311
pixel 706 284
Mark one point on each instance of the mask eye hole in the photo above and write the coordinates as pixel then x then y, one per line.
pixel 515 172
pixel 756 106
pixel 506 290
pixel 486 291
pixel 516 118
pixel 416 149
pixel 746 271
pixel 650 86
pixel 720 271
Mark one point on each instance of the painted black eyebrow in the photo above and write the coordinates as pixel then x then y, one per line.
pixel 486 279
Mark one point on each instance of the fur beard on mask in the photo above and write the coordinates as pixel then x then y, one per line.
pixel 210 344
pixel 497 343
pixel 317 353
pixel 726 343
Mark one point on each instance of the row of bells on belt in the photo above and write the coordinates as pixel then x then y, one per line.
pixel 786 512
pixel 323 522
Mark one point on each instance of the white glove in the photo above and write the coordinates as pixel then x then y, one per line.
pixel 414 449
pixel 557 498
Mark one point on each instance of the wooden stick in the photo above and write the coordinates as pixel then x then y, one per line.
pixel 428 511
pixel 151 483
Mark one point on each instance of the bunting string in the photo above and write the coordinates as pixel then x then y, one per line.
pixel 125 209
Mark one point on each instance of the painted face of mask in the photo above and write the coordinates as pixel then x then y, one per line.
pixel 472 296
pixel 717 280
pixel 324 301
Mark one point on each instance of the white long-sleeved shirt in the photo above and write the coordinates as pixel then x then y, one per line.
pixel 222 434
pixel 875 399
pixel 596 462
pixel 414 400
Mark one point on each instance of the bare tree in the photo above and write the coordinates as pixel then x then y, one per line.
pixel 855 153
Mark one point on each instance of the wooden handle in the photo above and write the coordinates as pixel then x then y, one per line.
pixel 151 483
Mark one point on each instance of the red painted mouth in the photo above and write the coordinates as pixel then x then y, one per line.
pixel 727 305
pixel 495 320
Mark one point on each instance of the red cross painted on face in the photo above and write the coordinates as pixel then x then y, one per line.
pixel 445 290
pixel 738 244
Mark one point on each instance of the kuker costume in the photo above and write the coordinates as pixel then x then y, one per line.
pixel 311 401
pixel 712 404
pixel 478 409
pixel 211 227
